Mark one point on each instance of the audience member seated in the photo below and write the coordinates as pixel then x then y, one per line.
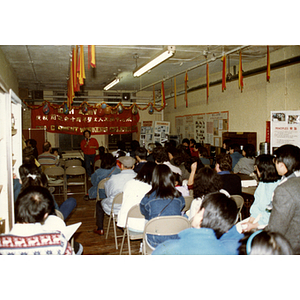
pixel 268 181
pixel 27 236
pixel 150 148
pixel 101 150
pixel 141 158
pixel 108 168
pixel 246 164
pixel 31 143
pixel 183 189
pixel 133 192
pixel 47 159
pixel 206 181
pixel 203 154
pixel 30 175
pixel 114 186
pixel 193 166
pixel 179 159
pixel 186 145
pixel 225 146
pixel 134 145
pixel 212 233
pixel 285 214
pixel 121 147
pixel 231 182
pixel 234 151
pixel 162 200
pixel 193 149
pixel 161 157
pixel 263 242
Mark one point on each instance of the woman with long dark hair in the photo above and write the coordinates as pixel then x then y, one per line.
pixel 162 200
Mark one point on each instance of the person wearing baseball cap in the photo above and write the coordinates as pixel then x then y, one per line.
pixel 113 187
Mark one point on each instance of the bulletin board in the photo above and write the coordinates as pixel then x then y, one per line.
pixel 206 127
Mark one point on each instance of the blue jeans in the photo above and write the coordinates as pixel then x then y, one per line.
pixel 155 240
pixel 88 159
pixel 67 207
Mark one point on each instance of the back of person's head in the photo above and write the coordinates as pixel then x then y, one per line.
pixel 163 182
pixel 30 175
pixel 101 151
pixel 172 150
pixel 235 146
pixel 46 147
pixel 202 150
pixel 249 150
pixel 33 143
pixel 150 147
pixel 141 152
pixel 121 145
pixel 206 181
pixel 185 141
pixel 173 143
pixel 220 213
pixel 225 161
pixel 192 142
pixel 145 173
pixel 160 154
pixel 290 156
pixel 120 153
pixel 27 151
pixel 29 159
pixel 33 204
pixel 226 143
pixel 108 161
pixel 266 167
pixel 190 161
pixel 134 145
pixel 264 242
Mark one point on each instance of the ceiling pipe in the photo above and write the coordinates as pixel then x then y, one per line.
pixel 197 66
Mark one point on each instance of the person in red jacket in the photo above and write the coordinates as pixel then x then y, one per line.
pixel 88 147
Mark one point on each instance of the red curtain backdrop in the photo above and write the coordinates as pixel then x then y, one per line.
pixel 75 122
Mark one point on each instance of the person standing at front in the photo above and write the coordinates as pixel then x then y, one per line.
pixel 88 147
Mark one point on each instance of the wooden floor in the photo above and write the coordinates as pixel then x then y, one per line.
pixel 94 244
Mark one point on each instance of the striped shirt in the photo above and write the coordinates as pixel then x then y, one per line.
pixel 48 159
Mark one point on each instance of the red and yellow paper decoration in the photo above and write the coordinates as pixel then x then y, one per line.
pixel 207 82
pixel 185 87
pixel 224 73
pixel 91 56
pixel 175 96
pixel 80 67
pixel 268 65
pixel 241 83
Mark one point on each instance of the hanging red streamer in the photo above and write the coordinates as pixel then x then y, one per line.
pixel 241 82
pixel 268 65
pixel 224 73
pixel 185 86
pixel 207 82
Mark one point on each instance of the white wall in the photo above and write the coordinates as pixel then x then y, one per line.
pixel 249 110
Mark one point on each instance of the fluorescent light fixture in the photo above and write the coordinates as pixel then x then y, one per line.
pixel 156 61
pixel 114 82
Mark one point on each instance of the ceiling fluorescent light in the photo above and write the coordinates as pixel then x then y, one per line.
pixel 114 82
pixel 156 61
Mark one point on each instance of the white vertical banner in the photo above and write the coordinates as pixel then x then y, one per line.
pixel 285 128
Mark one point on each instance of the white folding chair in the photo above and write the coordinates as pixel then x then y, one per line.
pixel 134 212
pixel 113 217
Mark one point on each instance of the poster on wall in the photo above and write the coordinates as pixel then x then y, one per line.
pixel 161 132
pixel 285 128
pixel 205 128
pixel 146 135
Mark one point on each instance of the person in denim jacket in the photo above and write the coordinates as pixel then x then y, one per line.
pixel 162 200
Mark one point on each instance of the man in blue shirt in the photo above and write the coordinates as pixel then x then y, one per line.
pixel 212 233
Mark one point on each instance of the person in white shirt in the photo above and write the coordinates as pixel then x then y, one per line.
pixel 133 192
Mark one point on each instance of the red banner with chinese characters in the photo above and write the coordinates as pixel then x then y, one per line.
pixel 76 121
